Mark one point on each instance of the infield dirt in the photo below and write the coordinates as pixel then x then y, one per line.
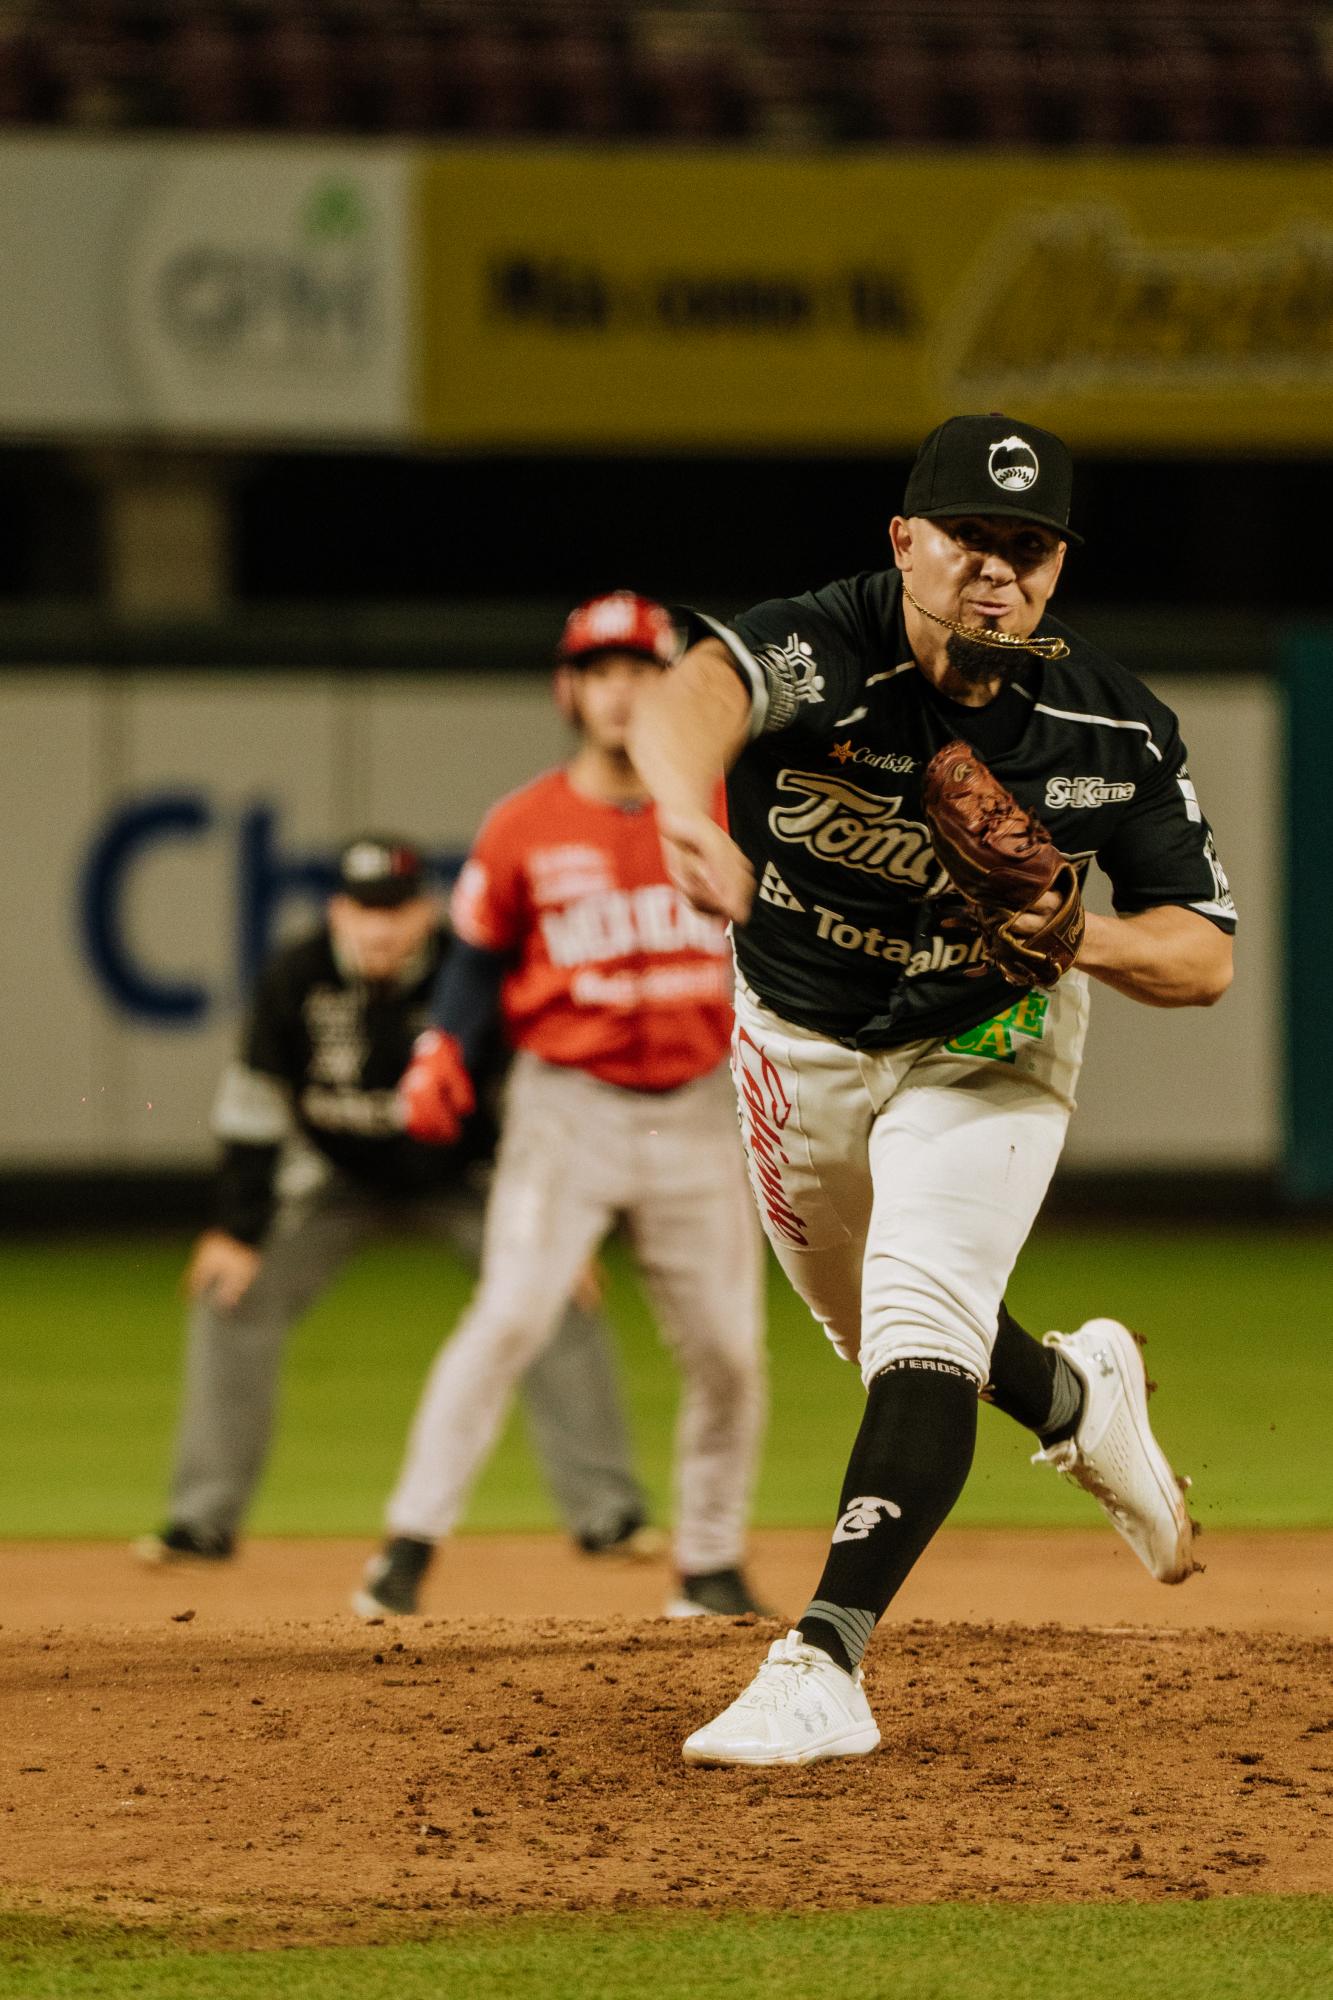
pixel 277 1778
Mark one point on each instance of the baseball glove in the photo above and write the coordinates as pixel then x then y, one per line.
pixel 1002 861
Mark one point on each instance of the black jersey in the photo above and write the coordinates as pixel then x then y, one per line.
pixel 322 1053
pixel 854 930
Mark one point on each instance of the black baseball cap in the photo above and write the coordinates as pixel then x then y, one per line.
pixel 380 870
pixel 993 465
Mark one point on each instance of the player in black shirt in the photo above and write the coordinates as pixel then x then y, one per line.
pixel 903 1111
pixel 316 1164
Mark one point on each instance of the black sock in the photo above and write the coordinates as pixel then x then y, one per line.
pixel 908 1466
pixel 410 1557
pixel 1033 1384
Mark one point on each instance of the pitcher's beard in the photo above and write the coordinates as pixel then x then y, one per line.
pixel 979 665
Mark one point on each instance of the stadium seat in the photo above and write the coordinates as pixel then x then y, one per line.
pixel 101 71
pixel 991 73
pixel 585 84
pixel 493 77
pixel 797 73
pixel 1186 74
pixel 207 76
pixel 298 76
pixel 1077 91
pixel 686 93
pixel 1274 87
pixel 25 94
pixel 900 85
pixel 393 75
pixel 1171 82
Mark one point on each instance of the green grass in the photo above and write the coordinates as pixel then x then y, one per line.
pixel 90 1335
pixel 1260 1948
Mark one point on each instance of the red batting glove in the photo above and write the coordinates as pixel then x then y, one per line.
pixel 436 1091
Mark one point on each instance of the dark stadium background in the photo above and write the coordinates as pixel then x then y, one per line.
pixel 1208 535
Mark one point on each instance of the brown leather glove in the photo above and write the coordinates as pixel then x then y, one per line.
pixel 1002 861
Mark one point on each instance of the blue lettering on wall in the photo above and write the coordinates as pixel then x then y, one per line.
pixel 123 843
pixel 267 879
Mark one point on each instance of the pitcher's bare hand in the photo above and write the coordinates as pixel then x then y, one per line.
pixel 1042 910
pixel 706 865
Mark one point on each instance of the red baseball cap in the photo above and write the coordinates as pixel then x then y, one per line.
pixel 619 623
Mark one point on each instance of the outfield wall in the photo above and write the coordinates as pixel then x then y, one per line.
pixel 165 828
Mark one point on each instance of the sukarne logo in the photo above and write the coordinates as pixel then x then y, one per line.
pixel 1080 793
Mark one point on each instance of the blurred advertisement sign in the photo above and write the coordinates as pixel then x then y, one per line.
pixel 267 291
pixel 850 301
pixel 202 289
pixel 533 297
pixel 172 828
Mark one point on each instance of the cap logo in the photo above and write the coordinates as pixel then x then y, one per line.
pixel 1012 465
pixel 366 863
pixel 614 618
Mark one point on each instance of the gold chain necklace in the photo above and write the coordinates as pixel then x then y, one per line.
pixel 1005 642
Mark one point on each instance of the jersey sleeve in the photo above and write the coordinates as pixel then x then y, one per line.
pixel 245 1193
pixel 467 1001
pixel 1163 852
pixel 489 906
pixel 792 659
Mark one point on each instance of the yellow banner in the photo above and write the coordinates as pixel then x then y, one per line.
pixel 697 300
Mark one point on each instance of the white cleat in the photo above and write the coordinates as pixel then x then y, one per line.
pixel 1113 1454
pixel 798 1708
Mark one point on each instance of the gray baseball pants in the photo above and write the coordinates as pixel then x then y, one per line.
pixel 575 1155
pixel 234 1359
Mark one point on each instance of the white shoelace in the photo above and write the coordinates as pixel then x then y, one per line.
pixel 773 1686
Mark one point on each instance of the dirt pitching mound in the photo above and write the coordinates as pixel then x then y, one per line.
pixel 323 1780
pixel 1065 1576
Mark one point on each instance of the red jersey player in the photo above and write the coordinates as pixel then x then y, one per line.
pixel 616 996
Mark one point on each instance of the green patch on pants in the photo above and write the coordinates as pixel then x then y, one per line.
pixel 994 1040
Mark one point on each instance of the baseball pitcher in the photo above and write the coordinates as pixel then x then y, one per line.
pixel 617 996
pixel 922 766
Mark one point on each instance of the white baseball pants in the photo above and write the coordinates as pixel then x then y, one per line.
pixel 897 1186
pixel 575 1156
